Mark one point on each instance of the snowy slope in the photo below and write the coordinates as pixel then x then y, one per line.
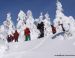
pixel 40 48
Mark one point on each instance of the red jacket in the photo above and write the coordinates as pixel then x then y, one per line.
pixel 27 32
pixel 53 29
pixel 16 35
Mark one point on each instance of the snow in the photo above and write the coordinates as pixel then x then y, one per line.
pixel 47 23
pixel 9 25
pixel 44 47
pixel 21 15
pixel 30 23
pixel 47 47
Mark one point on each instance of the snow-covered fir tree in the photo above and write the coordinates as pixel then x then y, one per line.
pixel 61 18
pixel 34 32
pixel 21 25
pixel 21 16
pixel 9 26
pixel 41 17
pixel 47 25
pixel 39 20
pixel 21 21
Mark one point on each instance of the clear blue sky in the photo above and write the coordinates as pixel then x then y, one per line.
pixel 36 6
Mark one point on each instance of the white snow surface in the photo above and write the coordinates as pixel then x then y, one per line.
pixel 46 47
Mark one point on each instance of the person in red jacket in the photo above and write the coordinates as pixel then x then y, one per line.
pixel 16 35
pixel 53 29
pixel 27 34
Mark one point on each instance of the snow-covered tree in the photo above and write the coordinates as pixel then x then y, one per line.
pixel 21 21
pixel 9 26
pixel 21 25
pixel 69 25
pixel 30 19
pixel 41 17
pixel 39 20
pixel 30 24
pixel 47 25
pixel 59 16
pixel 21 16
pixel 68 22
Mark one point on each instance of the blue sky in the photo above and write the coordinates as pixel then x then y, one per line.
pixel 36 6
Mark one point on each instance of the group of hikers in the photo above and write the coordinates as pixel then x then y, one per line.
pixel 15 36
pixel 27 32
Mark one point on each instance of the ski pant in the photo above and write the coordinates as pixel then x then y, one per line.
pixel 27 38
pixel 41 33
